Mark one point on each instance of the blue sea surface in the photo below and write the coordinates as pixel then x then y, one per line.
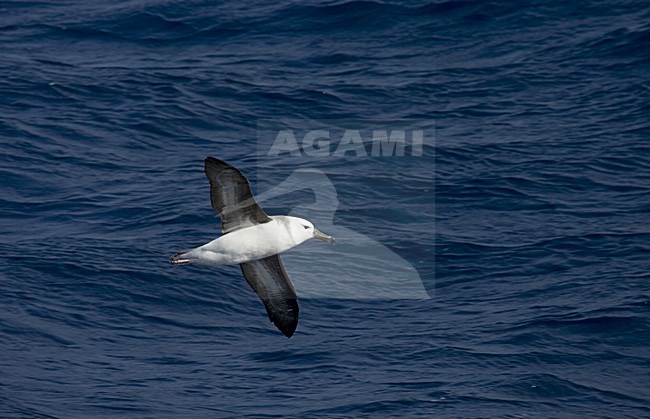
pixel 522 224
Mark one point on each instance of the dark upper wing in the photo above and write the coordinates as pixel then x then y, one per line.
pixel 270 281
pixel 231 197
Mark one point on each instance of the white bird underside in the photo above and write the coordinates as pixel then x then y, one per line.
pixel 253 240
pixel 248 244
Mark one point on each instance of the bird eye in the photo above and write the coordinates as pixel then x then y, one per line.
pixel 306 227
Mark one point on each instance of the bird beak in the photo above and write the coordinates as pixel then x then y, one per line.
pixel 324 237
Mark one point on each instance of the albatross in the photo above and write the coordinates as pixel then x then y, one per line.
pixel 254 241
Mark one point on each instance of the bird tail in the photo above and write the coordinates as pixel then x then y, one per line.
pixel 182 258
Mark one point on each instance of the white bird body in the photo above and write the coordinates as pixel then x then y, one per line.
pixel 253 243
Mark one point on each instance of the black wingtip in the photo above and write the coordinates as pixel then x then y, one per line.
pixel 287 330
pixel 209 161
pixel 212 164
pixel 213 160
pixel 285 324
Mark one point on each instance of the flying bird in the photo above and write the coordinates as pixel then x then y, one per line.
pixel 254 241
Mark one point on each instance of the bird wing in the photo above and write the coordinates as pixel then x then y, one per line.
pixel 231 197
pixel 270 281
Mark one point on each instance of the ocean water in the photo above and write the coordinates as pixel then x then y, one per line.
pixel 500 269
